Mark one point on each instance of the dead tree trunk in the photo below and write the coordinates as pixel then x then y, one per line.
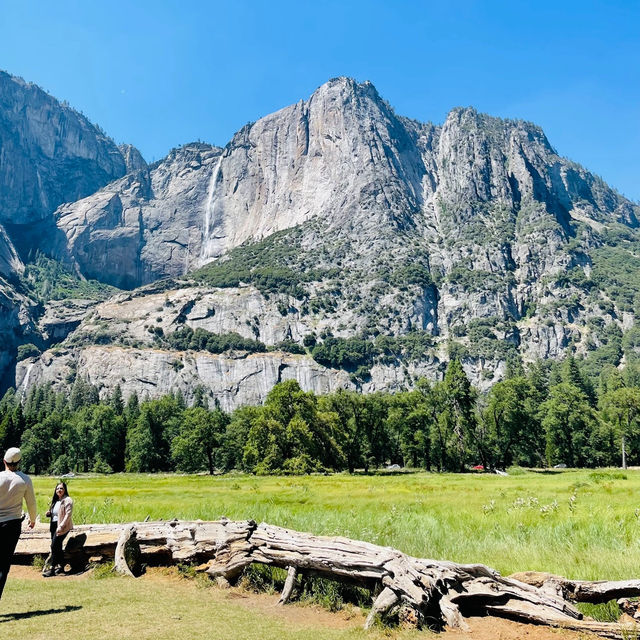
pixel 439 592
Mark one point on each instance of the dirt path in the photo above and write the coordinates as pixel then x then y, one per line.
pixel 315 616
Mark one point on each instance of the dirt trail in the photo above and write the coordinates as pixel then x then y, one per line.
pixel 309 615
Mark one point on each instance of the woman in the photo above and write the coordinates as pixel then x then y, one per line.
pixel 60 513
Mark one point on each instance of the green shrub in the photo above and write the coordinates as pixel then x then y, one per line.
pixel 603 476
pixel 289 346
pixel 28 350
pixel 263 578
pixel 411 274
pixel 331 594
pixel 344 353
pixel 186 338
pixel 104 570
pixel 516 471
pixel 309 340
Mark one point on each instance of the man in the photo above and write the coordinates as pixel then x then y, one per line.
pixel 15 487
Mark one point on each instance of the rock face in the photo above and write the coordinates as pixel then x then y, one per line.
pixel 61 317
pixel 10 263
pixel 337 217
pixel 16 310
pixel 132 157
pixel 144 226
pixel 233 381
pixel 342 155
pixel 49 154
pixel 135 317
pixel 16 326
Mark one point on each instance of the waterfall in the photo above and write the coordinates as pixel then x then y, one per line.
pixel 206 251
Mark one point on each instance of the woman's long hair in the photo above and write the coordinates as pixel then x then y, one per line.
pixel 55 495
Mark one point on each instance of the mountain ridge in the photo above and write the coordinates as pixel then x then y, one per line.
pixel 354 222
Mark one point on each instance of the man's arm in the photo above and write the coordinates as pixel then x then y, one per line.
pixel 30 499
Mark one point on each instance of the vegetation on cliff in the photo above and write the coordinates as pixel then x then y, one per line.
pixel 47 279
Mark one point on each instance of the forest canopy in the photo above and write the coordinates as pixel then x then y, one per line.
pixel 548 415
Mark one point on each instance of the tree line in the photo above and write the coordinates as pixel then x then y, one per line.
pixel 548 415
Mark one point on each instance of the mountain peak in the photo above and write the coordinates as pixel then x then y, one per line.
pixel 349 87
pixel 468 119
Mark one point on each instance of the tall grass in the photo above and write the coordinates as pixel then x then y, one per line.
pixel 581 524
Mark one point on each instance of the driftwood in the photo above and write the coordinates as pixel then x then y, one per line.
pixel 428 592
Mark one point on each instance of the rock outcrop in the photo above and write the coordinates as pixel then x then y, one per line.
pixel 144 226
pixel 61 317
pixel 49 154
pixel 233 380
pixel 132 158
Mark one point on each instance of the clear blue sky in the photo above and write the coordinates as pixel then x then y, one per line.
pixel 163 73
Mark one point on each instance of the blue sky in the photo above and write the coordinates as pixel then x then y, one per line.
pixel 163 73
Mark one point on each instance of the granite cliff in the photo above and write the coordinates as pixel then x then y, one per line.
pixel 49 154
pixel 336 219
pixel 144 226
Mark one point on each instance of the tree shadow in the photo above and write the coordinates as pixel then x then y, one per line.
pixel 6 617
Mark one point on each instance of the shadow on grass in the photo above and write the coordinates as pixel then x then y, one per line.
pixel 6 617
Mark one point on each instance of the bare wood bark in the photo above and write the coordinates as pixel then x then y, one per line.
pixel 289 583
pixel 431 588
pixel 120 561
pixel 595 592
pixel 386 599
pixel 451 614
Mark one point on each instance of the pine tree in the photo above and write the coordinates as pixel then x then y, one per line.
pixel 458 416
pixel 116 401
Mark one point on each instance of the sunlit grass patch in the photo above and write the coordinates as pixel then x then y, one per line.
pixel 156 606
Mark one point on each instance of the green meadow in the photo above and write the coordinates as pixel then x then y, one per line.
pixel 581 524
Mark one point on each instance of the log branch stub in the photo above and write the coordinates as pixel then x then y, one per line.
pixel 594 592
pixel 385 601
pixel 289 583
pixel 126 543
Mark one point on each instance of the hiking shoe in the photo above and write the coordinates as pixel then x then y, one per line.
pixel 47 574
pixel 58 571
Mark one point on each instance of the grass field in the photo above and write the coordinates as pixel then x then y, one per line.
pixel 581 524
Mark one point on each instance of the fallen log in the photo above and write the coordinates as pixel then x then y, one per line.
pixel 431 592
pixel 595 592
